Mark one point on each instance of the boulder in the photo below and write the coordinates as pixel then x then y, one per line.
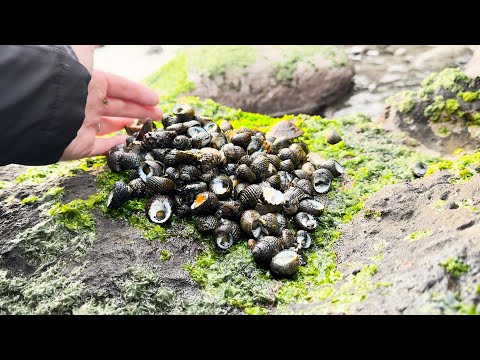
pixel 273 80
pixel 443 114
pixel 443 56
pixel 473 67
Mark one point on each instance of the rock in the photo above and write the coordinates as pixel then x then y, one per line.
pixel 155 49
pixel 266 79
pixel 443 114
pixel 473 67
pixel 417 236
pixel 441 57
pixel 400 52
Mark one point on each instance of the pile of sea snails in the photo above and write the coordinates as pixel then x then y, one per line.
pixel 232 182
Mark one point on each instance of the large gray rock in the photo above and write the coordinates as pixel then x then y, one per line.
pixel 443 56
pixel 273 80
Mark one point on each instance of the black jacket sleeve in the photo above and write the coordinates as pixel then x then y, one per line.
pixel 43 92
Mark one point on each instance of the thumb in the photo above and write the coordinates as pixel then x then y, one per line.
pixel 103 145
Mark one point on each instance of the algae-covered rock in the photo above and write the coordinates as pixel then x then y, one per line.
pixel 444 114
pixel 273 80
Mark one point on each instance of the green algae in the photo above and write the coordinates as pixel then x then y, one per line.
pixel 463 167
pixel 451 303
pixel 417 235
pixel 165 255
pixel 404 101
pixel 451 79
pixel 454 266
pixel 469 96
pixel 29 200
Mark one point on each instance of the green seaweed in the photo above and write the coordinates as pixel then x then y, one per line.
pixel 417 235
pixel 404 101
pixel 451 79
pixel 165 255
pixel 454 266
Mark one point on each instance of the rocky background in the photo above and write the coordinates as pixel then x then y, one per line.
pixel 387 243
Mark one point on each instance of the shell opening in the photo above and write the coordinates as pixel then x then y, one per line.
pixel 339 167
pixel 199 200
pixel 273 196
pixel 110 197
pixel 224 241
pixel 160 212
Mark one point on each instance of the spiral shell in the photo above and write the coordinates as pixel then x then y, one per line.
pixel 305 221
pixel 333 166
pixel 290 203
pixel 272 196
pixel 287 165
pixel 225 126
pixel 179 128
pixel 322 180
pixel 218 140
pixel 269 224
pixel 158 185
pixel 209 158
pixel 305 185
pixel 113 160
pixel 250 224
pixel 189 173
pixel 332 137
pixel 201 140
pixel 231 210
pixel 233 153
pixel 211 127
pixel 182 142
pixel 308 168
pixel 250 196
pixel 266 249
pixel 206 222
pixel 285 263
pixel 130 161
pixel 170 120
pixel 182 207
pixel 255 145
pixel 245 173
pixel 159 209
pixel 209 175
pixel 118 195
pixel 247 160
pixel 241 139
pixel 190 191
pixel 205 203
pixel 303 239
pixel 311 206
pixel 227 233
pixel 262 168
pixel 184 112
pixel 302 174
pixel 419 169
pixel 172 173
pixel 221 186
pixel 288 239
pixel 159 154
pixel 137 188
pixel 150 168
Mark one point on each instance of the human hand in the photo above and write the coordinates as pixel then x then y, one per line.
pixel 112 103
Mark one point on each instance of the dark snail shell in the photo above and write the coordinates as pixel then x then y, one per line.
pixel 133 174
pixel 182 142
pixel 280 143
pixel 205 203
pixel 229 169
pixel 247 160
pixel 419 169
pixel 299 153
pixel 298 193
pixel 203 120
pixel 186 157
pixel 269 224
pixel 287 165
pixel 172 173
pixel 148 169
pixel 288 239
pixel 159 209
pixel 332 137
pixel 285 180
pixel 274 160
pixel 242 139
pixel 206 222
pixel 211 127
pixel 209 175
pixel 322 180
pixel 184 112
pixel 190 191
pixel 113 160
pixel 311 206
pixel 308 169
pixel 233 153
pixel 305 221
pixel 262 168
pixel 303 239
pixel 209 158
pixel 238 189
pixel 158 185
pixel 119 194
pixel 130 161
pixel 285 263
pixel 119 147
pixel 274 181
pixel 304 146
pixel 290 204
pixel 170 120
pixel 179 128
pixel 255 145
pixel 191 123
pixel 129 140
pixel 250 224
pixel 137 188
pixel 221 186
pixel 285 129
pixel 201 140
pixel 305 185
pixel 225 125
pixel 231 210
pixel 333 166
pixel 170 158
pixel 245 173
pixel 250 196
pixel 182 207
pixel 315 159
pixel 227 233
pixel 266 249
pixel 288 154
pixel 302 174
pixel 195 130
pixel 189 173
pixel 218 140
pixel 159 154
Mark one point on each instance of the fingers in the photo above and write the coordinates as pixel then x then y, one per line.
pixel 112 124
pixel 121 88
pixel 103 145
pixel 124 108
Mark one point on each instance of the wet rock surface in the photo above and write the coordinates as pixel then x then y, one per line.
pixel 412 228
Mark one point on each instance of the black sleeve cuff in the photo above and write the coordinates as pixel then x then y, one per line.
pixel 42 102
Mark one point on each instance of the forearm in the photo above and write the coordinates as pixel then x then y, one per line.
pixel 42 102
